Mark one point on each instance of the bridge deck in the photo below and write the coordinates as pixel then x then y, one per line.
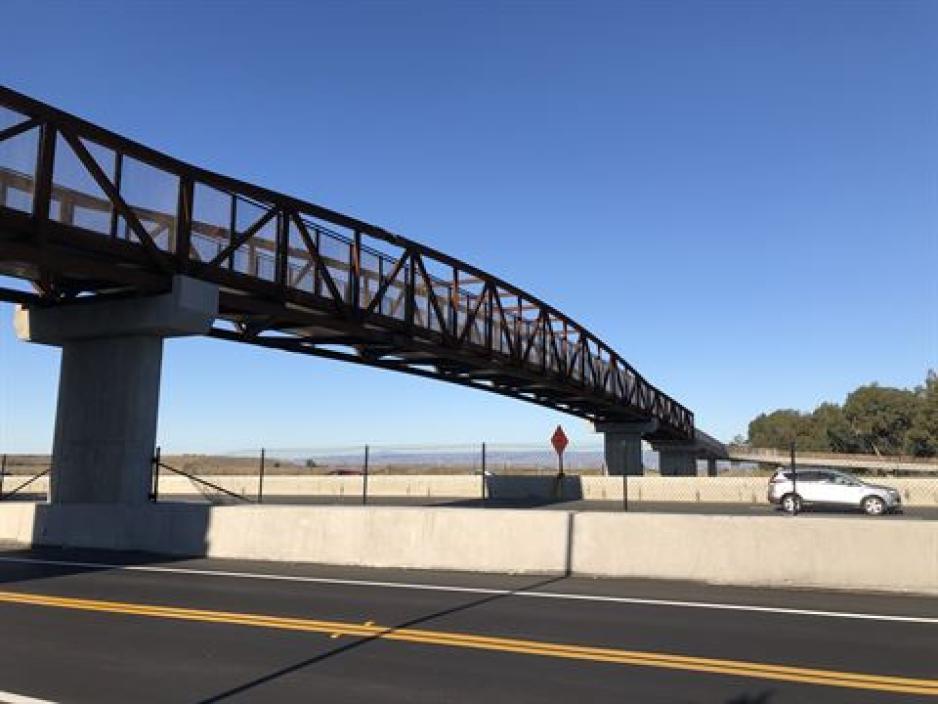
pixel 85 211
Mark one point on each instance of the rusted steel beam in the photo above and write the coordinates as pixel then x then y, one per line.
pixel 23 298
pixel 470 320
pixel 375 303
pixel 184 218
pixel 104 183
pixel 293 346
pixel 238 240
pixel 322 270
pixel 18 128
pixel 431 296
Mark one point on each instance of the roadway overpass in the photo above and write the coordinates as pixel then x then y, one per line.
pixel 124 246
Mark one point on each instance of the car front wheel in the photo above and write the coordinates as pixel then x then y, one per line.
pixel 791 503
pixel 874 506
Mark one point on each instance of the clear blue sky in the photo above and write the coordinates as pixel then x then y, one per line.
pixel 741 198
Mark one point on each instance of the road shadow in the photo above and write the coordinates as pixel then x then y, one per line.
pixel 503 503
pixel 763 697
pixel 365 641
pixel 532 491
pixel 28 497
pixel 757 697
pixel 33 564
pixel 67 539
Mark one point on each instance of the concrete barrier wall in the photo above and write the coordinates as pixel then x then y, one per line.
pixel 17 523
pixel 832 553
pixel 804 551
pixel 410 538
pixel 683 489
pixel 915 492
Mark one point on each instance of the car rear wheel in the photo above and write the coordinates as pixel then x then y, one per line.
pixel 873 506
pixel 791 503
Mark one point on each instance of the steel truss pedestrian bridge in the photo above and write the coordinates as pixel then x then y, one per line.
pixel 88 213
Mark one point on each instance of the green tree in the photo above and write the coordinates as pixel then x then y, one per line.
pixel 922 438
pixel 779 428
pixel 832 430
pixel 874 419
pixel 881 417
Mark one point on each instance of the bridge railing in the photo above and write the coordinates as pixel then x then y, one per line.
pixel 81 185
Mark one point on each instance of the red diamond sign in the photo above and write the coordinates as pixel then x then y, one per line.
pixel 559 440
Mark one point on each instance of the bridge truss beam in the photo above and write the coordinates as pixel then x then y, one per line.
pixel 86 212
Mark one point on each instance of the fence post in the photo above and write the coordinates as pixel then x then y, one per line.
pixel 260 479
pixel 482 474
pixel 794 477
pixel 3 471
pixel 365 478
pixel 154 494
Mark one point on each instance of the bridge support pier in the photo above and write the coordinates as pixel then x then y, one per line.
pixel 680 460
pixel 677 461
pixel 109 383
pixel 623 446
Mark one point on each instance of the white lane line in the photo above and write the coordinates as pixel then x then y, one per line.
pixel 10 698
pixel 523 593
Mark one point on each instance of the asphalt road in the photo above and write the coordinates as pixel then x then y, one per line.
pixel 181 631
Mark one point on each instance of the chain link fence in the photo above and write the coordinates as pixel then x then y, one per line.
pixel 473 475
pixel 485 475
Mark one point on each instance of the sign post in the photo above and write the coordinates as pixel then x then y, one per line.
pixel 559 441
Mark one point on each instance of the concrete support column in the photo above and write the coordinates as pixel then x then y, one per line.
pixel 109 384
pixel 105 421
pixel 677 462
pixel 711 467
pixel 623 446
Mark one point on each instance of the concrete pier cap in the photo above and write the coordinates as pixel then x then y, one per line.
pixel 109 382
pixel 680 459
pixel 622 444
pixel 677 460
pixel 189 308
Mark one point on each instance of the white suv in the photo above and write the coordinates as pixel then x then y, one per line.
pixel 826 487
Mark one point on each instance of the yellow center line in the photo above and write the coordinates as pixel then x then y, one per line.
pixel 737 668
